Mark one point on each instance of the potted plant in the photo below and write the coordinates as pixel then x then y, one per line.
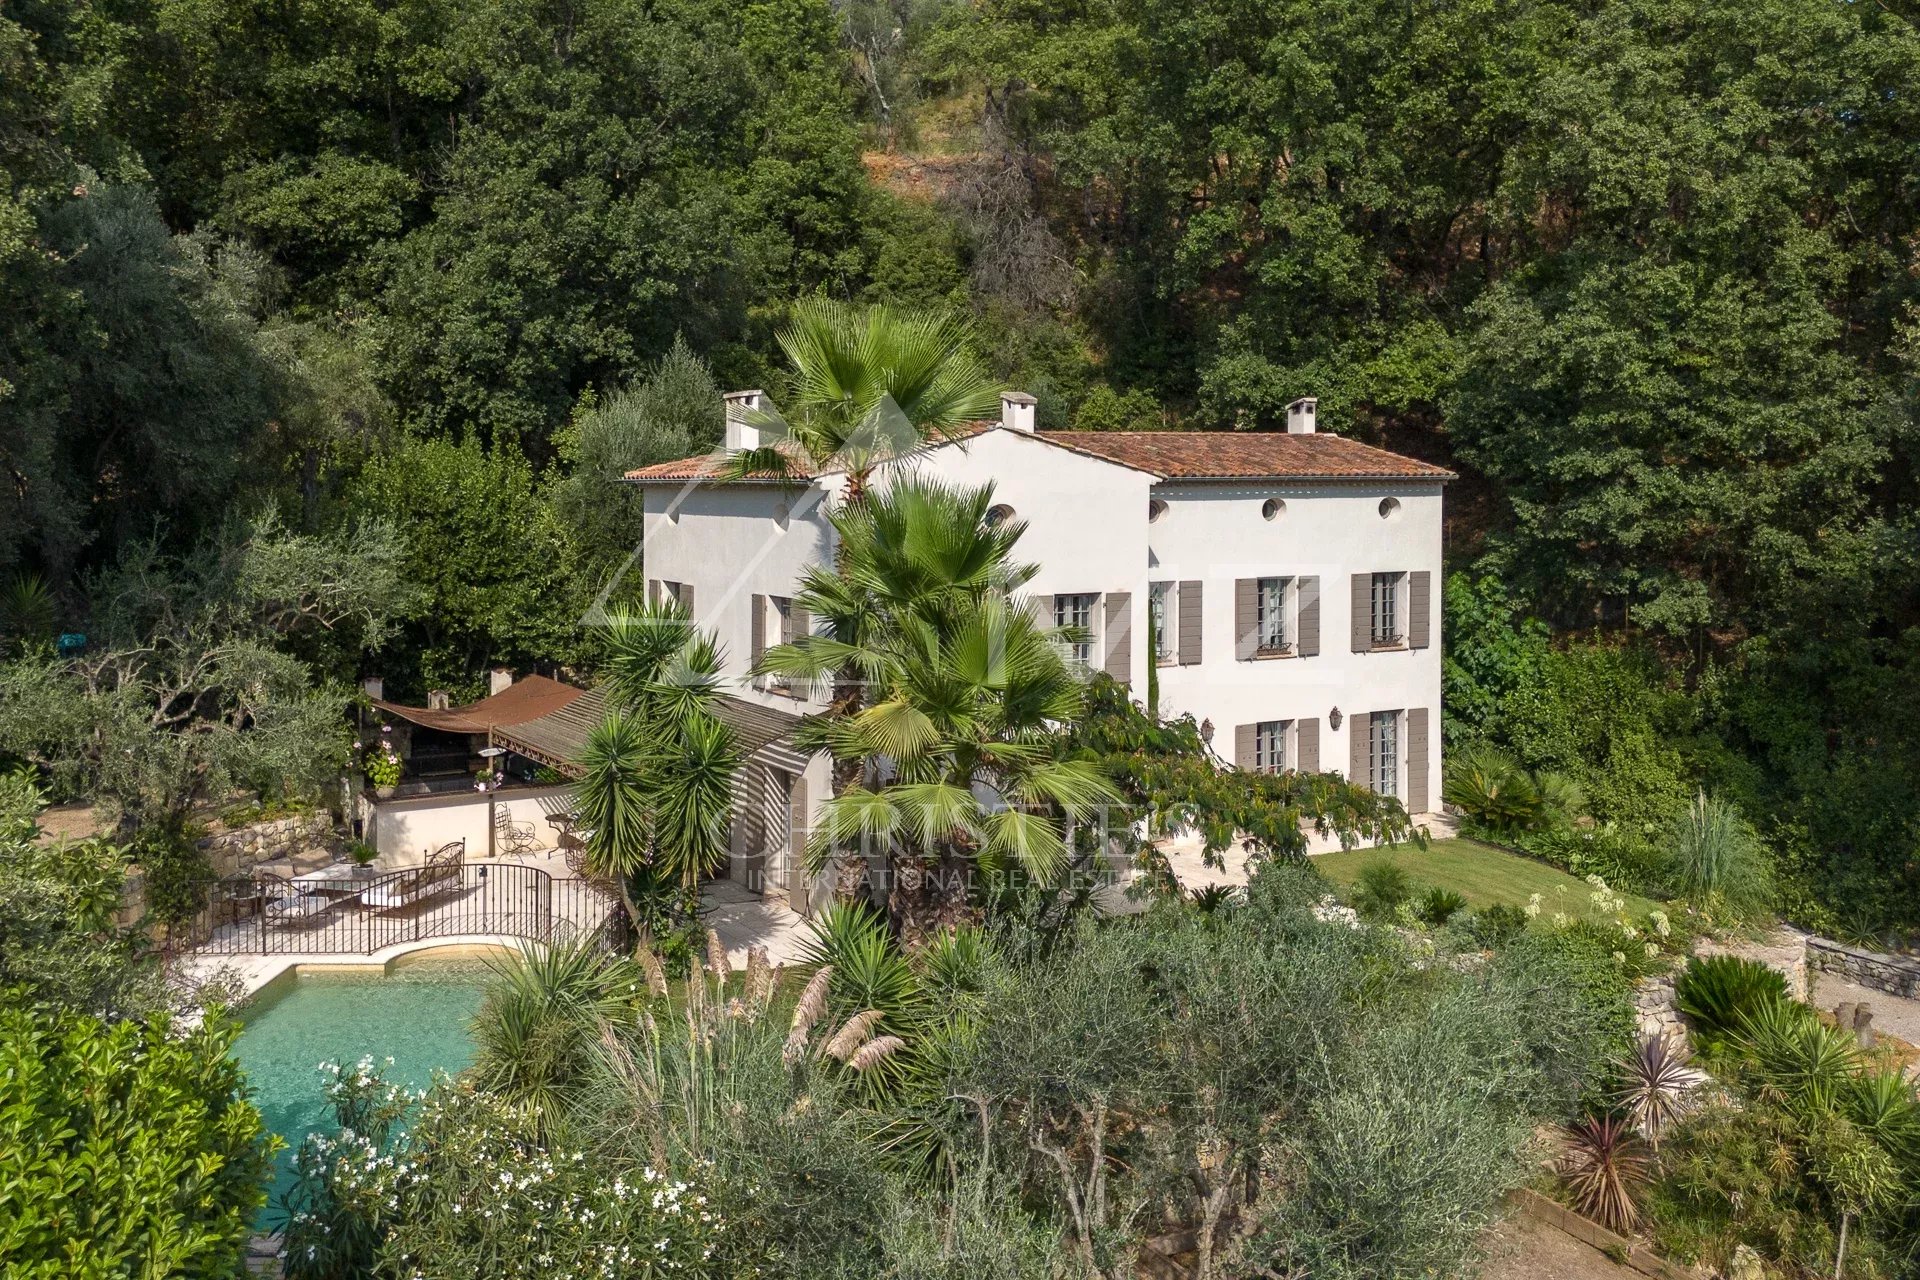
pixel 381 762
pixel 362 853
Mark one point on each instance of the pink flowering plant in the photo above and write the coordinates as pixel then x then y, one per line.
pixel 380 759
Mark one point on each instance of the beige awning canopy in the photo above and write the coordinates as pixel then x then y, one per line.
pixel 557 738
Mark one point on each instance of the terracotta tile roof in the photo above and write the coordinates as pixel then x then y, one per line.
pixel 1171 455
pixel 1234 455
pixel 707 465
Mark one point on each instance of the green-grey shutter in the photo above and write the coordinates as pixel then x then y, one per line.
pixel 686 598
pixel 797 831
pixel 800 624
pixel 1306 745
pixel 758 647
pixel 1190 632
pixel 1417 798
pixel 1243 745
pixel 1119 635
pixel 1357 725
pixel 653 591
pixel 1307 644
pixel 1419 609
pixel 1246 618
pixel 1042 609
pixel 1361 598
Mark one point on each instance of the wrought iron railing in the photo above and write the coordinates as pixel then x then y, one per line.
pixel 364 911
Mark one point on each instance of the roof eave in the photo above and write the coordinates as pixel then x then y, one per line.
pixel 1375 477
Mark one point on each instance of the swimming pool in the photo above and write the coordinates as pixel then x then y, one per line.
pixel 416 1014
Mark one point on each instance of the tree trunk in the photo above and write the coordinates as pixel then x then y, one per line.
pixel 929 895
pixel 849 865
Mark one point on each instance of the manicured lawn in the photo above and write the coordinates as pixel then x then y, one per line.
pixel 1478 873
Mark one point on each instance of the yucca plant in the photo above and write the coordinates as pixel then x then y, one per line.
pixel 871 975
pixel 1794 1060
pixel 541 1015
pixel 1658 1085
pixel 952 966
pixel 1885 1105
pixel 27 607
pixel 1604 1168
pixel 1716 992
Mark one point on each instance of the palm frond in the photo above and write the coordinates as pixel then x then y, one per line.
pixel 1029 840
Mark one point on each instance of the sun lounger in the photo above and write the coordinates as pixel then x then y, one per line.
pixel 439 873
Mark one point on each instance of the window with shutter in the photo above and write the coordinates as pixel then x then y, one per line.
pixel 1076 612
pixel 1270 616
pixel 1159 615
pixel 1383 752
pixel 1270 746
pixel 1386 631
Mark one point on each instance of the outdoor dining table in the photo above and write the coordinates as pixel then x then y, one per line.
pixel 336 879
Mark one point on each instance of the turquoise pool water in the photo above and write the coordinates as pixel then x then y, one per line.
pixel 416 1015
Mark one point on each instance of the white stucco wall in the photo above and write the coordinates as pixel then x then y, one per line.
pixel 405 830
pixel 731 543
pixel 1086 519
pixel 1088 531
pixel 1216 533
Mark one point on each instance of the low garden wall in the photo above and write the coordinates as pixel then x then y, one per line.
pixel 1895 975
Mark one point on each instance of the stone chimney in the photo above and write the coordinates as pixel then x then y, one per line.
pixel 740 433
pixel 438 700
pixel 1017 411
pixel 498 680
pixel 1300 416
pixel 374 687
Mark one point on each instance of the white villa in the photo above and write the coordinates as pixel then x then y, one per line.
pixel 1290 579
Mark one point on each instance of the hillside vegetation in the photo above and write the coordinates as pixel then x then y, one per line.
pixel 1643 272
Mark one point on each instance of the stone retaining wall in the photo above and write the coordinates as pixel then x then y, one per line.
pixel 236 852
pixel 1654 1013
pixel 1895 975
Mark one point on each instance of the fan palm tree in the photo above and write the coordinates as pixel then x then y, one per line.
pixel 656 784
pixel 957 750
pixel 867 385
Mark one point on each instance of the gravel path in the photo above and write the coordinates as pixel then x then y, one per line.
pixel 1892 1015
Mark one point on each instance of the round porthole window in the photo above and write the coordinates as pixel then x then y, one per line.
pixel 1272 509
pixel 1156 508
pixel 1389 508
pixel 998 515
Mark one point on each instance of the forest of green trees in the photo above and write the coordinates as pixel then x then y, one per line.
pixel 1646 273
